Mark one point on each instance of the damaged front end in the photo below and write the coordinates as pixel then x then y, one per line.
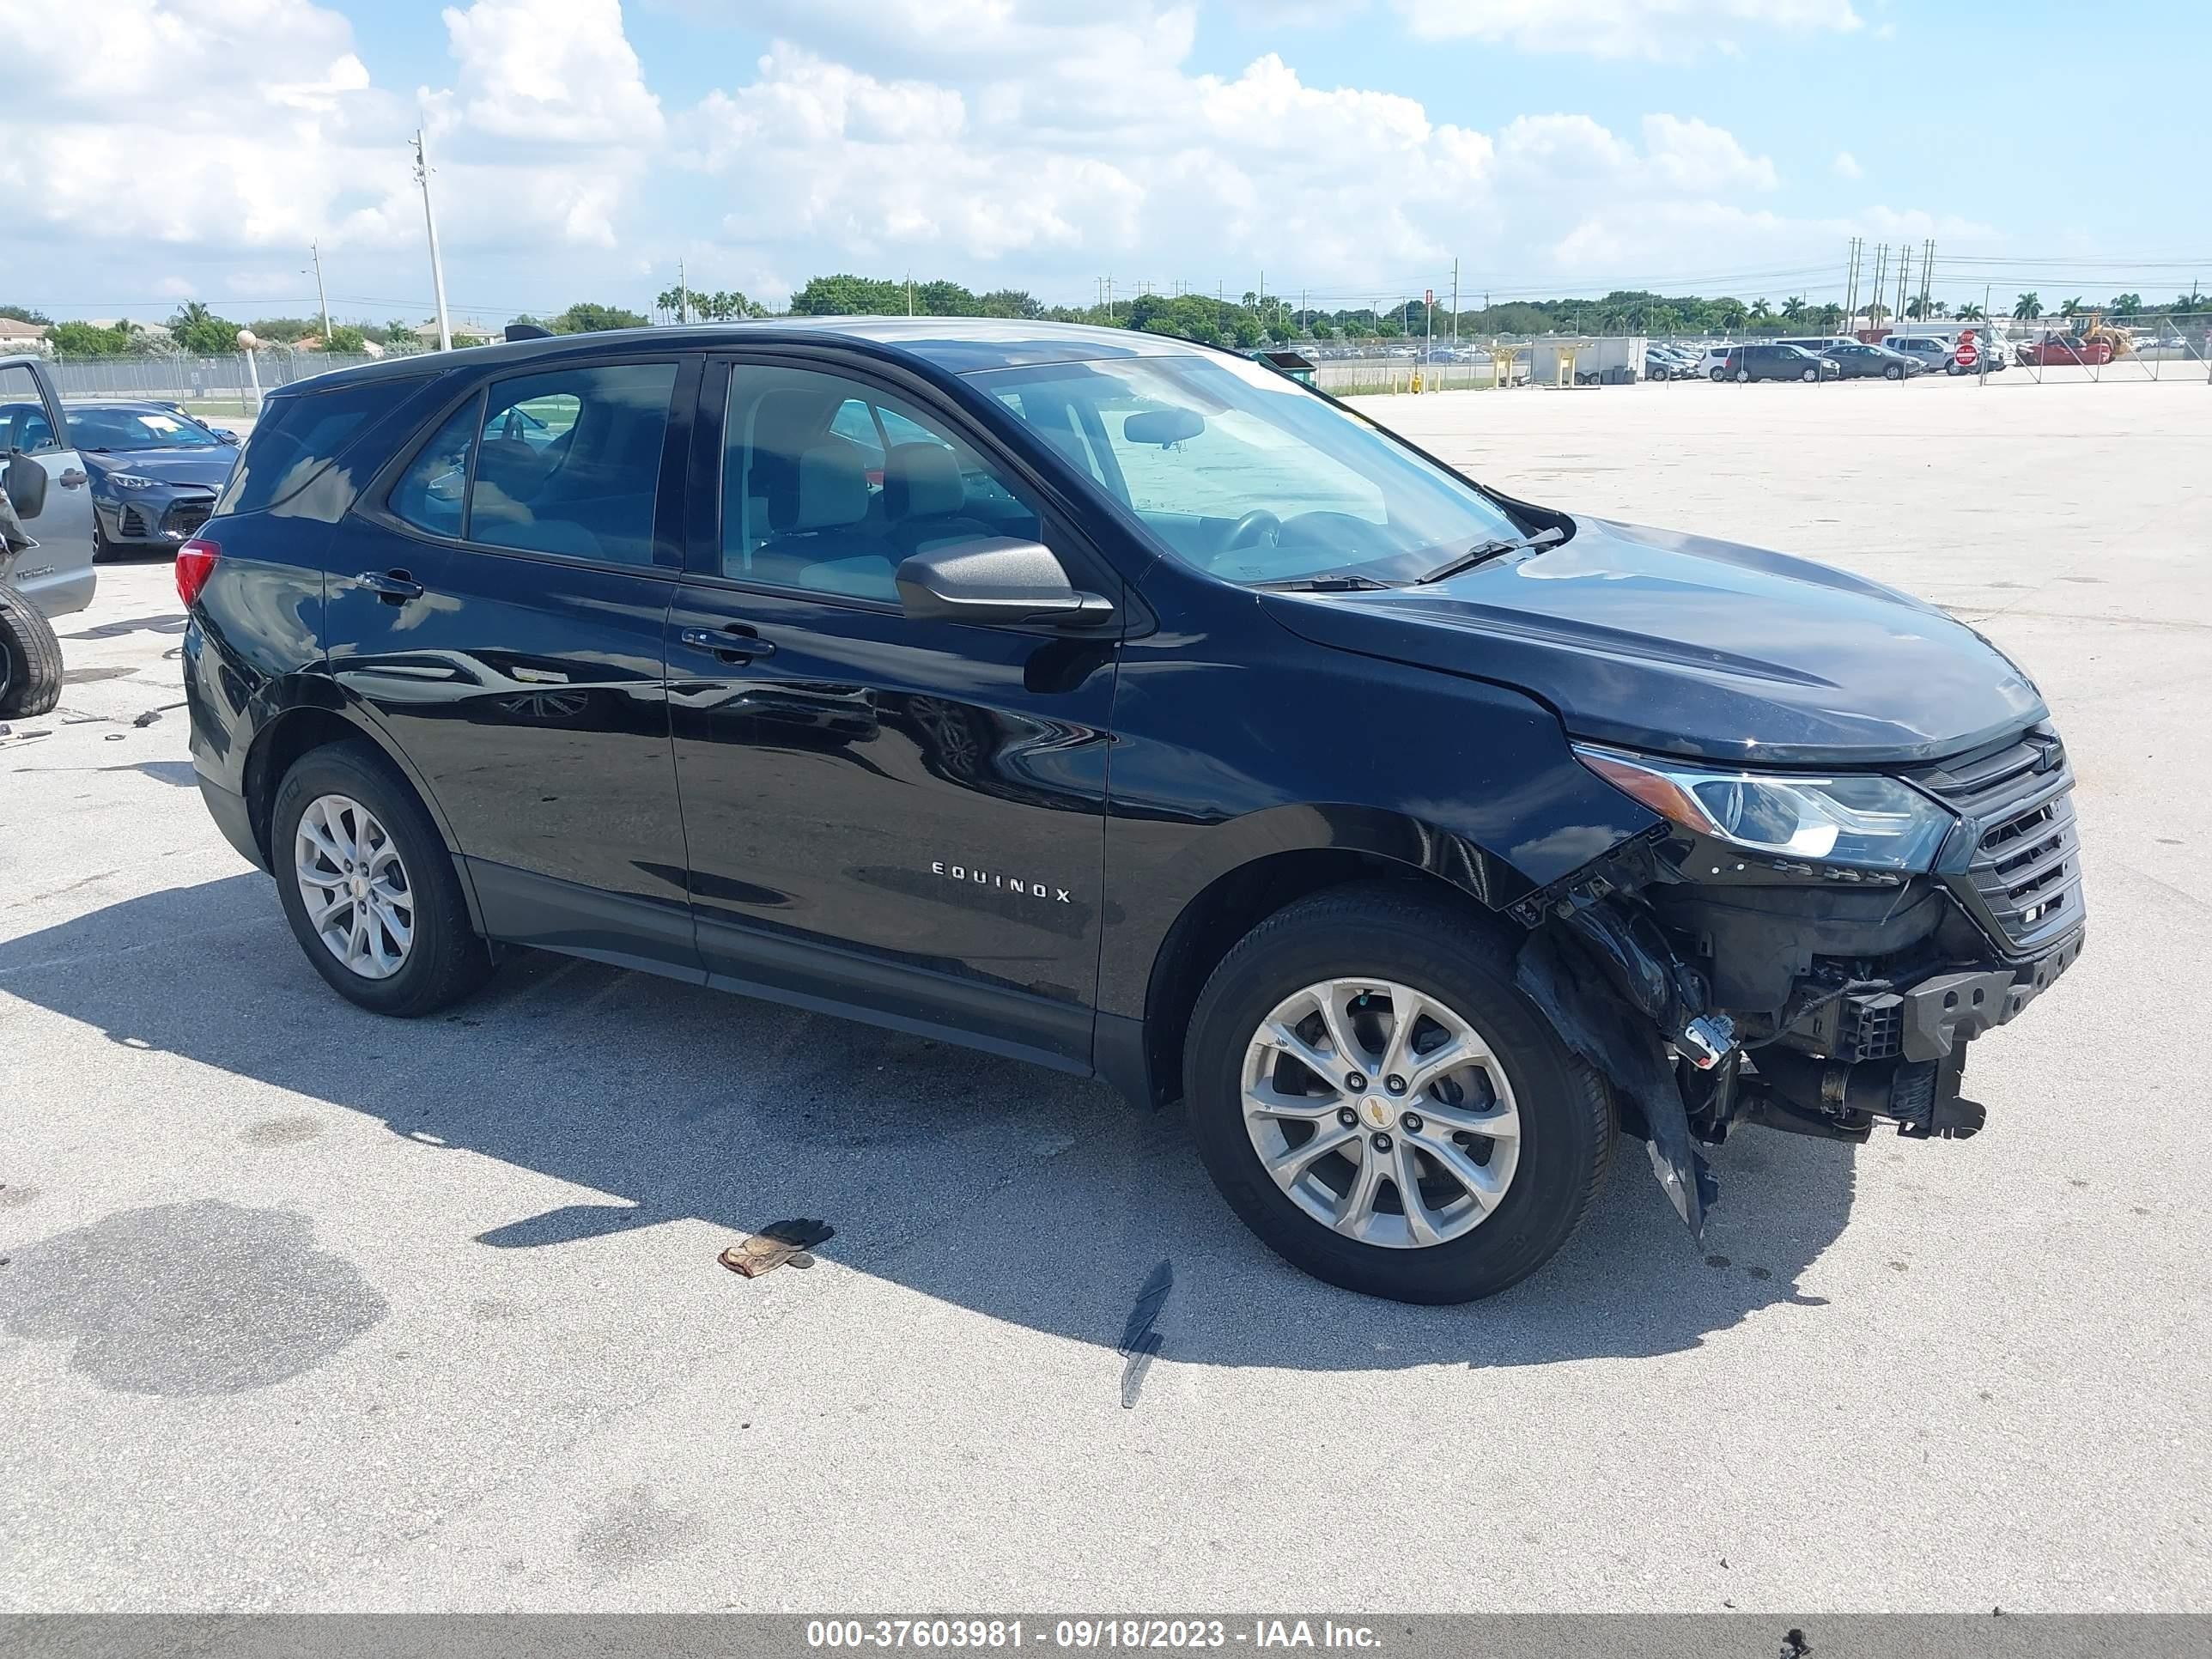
pixel 1810 953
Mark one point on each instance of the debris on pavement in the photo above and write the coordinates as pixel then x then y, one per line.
pixel 775 1244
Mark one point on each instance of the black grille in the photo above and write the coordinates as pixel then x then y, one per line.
pixel 2023 879
pixel 185 517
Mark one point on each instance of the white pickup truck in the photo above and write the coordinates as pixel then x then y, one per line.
pixel 45 537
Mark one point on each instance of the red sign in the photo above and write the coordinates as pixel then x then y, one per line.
pixel 1432 298
pixel 1967 356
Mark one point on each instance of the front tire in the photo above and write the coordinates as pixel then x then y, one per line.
pixel 1743 377
pixel 1895 372
pixel 369 887
pixel 30 659
pixel 1809 376
pixel 1377 1100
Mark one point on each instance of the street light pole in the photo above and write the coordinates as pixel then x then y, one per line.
pixel 430 223
pixel 315 255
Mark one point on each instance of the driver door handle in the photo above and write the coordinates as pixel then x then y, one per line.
pixel 70 479
pixel 393 587
pixel 735 643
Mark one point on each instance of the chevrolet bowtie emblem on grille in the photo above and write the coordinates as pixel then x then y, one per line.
pixel 1005 884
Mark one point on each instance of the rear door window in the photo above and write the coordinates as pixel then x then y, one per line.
pixel 299 436
pixel 569 462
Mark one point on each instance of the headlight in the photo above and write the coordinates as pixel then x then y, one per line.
pixel 132 481
pixel 1866 821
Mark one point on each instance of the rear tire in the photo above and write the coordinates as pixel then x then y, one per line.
pixel 30 659
pixel 1443 963
pixel 1743 377
pixel 440 959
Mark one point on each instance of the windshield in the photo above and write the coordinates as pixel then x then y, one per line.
pixel 136 429
pixel 1244 474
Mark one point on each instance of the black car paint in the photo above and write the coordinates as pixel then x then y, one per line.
pixel 1009 836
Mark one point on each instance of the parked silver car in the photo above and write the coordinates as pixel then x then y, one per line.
pixel 46 536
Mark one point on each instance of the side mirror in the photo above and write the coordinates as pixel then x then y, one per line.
pixel 26 485
pixel 227 435
pixel 1162 426
pixel 996 579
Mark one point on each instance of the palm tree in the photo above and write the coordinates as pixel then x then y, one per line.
pixel 1760 313
pixel 1971 313
pixel 2071 308
pixel 2027 307
pixel 1793 308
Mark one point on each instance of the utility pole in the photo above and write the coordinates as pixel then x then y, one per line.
pixel 1903 276
pixel 315 255
pixel 682 295
pixel 909 294
pixel 1455 337
pixel 1851 285
pixel 430 223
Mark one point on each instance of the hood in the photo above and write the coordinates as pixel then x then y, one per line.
pixel 1685 646
pixel 209 467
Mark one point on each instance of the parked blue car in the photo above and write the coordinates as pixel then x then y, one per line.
pixel 155 472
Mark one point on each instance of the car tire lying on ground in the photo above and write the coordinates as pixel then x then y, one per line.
pixel 1343 1063
pixel 369 886
pixel 30 659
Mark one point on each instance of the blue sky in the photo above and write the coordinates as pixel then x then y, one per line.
pixel 1351 151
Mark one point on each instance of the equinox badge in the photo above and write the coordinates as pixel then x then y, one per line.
pixel 1008 883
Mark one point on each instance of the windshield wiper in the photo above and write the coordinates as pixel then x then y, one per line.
pixel 1482 552
pixel 1337 584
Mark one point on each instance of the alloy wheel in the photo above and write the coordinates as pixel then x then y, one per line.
pixel 1381 1112
pixel 353 883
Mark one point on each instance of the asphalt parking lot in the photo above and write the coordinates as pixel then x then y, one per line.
pixel 306 1310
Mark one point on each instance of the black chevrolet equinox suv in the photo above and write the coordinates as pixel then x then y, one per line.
pixel 1130 708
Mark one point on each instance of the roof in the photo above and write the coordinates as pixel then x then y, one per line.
pixel 956 346
pixel 12 330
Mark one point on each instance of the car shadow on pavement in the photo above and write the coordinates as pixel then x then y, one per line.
pixel 1018 1193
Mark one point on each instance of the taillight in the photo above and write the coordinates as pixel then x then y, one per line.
pixel 194 564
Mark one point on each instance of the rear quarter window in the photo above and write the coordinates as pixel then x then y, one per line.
pixel 288 464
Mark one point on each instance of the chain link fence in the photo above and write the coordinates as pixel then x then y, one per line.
pixel 217 386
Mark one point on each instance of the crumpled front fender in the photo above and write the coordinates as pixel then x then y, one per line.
pixel 1563 980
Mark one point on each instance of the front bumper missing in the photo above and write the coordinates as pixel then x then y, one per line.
pixel 1622 996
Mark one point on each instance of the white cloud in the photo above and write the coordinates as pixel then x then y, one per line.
pixel 1847 165
pixel 993 140
pixel 1622 28
pixel 552 72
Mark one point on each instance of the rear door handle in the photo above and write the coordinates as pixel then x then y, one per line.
pixel 393 587
pixel 735 643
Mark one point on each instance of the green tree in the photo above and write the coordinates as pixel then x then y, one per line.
pixel 284 330
pixel 682 301
pixel 2126 304
pixel 200 332
pixel 1971 313
pixel 2027 307
pixel 584 318
pixel 1759 314
pixel 346 336
pixel 24 314
pixel 1793 308
pixel 2072 309
pixel 1011 302
pixel 86 340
